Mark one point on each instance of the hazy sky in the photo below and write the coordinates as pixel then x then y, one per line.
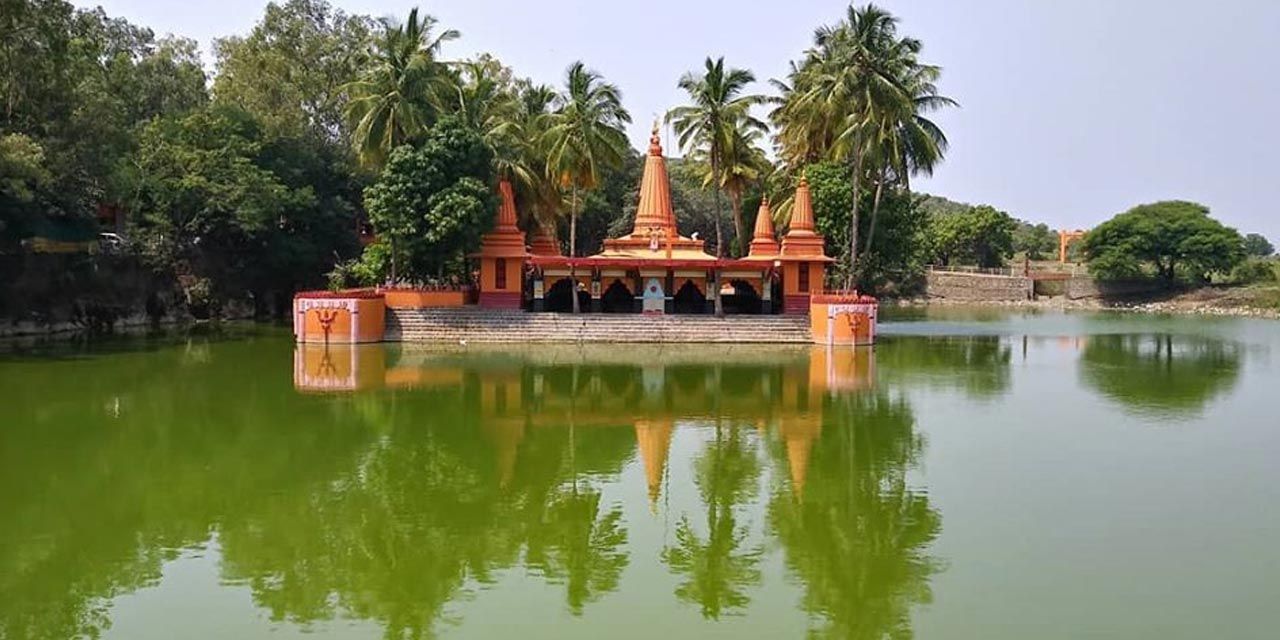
pixel 1070 111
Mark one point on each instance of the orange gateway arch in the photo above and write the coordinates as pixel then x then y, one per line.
pixel 1065 238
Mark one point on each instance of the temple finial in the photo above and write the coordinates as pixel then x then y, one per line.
pixel 655 145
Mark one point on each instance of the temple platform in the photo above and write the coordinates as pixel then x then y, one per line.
pixel 453 326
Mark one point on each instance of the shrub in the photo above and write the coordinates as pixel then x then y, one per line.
pixel 1254 270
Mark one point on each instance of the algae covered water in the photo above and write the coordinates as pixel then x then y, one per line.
pixel 977 474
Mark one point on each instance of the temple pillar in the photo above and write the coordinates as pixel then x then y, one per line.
pixel 712 290
pixel 766 294
pixel 539 293
pixel 597 303
pixel 669 304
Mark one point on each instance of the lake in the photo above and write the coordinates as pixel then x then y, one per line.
pixel 979 474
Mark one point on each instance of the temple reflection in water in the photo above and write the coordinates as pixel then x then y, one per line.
pixel 511 392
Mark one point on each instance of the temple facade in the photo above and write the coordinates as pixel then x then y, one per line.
pixel 654 269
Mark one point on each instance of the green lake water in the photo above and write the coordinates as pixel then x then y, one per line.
pixel 978 474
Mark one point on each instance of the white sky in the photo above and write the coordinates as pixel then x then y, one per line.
pixel 1070 111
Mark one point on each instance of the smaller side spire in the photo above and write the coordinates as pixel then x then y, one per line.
pixel 506 207
pixel 802 214
pixel 801 240
pixel 763 241
pixel 541 242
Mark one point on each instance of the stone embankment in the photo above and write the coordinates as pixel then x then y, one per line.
pixel 978 287
pixel 453 326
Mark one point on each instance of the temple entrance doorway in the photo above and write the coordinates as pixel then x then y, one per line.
pixel 557 298
pixel 689 299
pixel 617 299
pixel 745 298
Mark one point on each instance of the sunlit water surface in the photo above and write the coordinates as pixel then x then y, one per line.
pixel 978 475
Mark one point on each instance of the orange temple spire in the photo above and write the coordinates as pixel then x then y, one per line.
pixel 763 242
pixel 541 243
pixel 801 241
pixel 802 214
pixel 654 210
pixel 506 207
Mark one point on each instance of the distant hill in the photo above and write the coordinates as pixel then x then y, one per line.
pixel 938 205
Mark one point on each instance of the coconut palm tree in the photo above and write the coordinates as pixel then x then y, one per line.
pixel 585 134
pixel 535 184
pixel 858 97
pixel 484 99
pixel 717 115
pixel 398 97
pixel 745 164
pixel 907 141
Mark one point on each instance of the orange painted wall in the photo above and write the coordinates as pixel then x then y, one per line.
pixel 489 275
pixel 791 278
pixel 372 316
pixel 848 328
pixel 419 299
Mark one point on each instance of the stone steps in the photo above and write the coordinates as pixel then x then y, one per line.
pixel 474 325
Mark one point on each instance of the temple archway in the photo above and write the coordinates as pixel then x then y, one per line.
pixel 689 299
pixel 745 298
pixel 557 297
pixel 617 299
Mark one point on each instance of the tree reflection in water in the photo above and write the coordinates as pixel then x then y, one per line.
pixel 715 570
pixel 413 480
pixel 1165 375
pixel 977 365
pixel 856 533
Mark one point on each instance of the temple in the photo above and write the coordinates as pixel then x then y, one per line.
pixel 654 269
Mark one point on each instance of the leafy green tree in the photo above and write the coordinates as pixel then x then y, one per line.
pixel 290 70
pixel 398 97
pixel 982 236
pixel 896 263
pixel 22 175
pixel 1037 241
pixel 584 135
pixel 1170 239
pixel 432 203
pixel 76 82
pixel 208 203
pixel 1257 245
pixel 22 168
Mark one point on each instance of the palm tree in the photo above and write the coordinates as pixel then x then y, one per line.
pixel 535 184
pixel 745 164
pixel 717 117
pixel 850 80
pixel 585 135
pixel 398 97
pixel 484 99
pixel 908 140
